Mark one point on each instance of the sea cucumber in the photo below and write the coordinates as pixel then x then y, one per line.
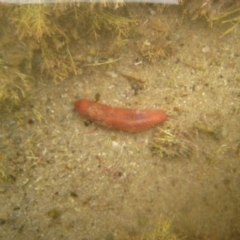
pixel 129 120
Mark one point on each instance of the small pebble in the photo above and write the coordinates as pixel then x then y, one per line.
pixel 206 49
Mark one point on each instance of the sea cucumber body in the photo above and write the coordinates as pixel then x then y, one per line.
pixel 129 120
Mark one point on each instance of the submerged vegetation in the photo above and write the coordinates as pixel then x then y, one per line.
pixel 162 231
pixel 54 41
pixel 40 40
pixel 172 143
pixel 217 12
pixel 229 16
